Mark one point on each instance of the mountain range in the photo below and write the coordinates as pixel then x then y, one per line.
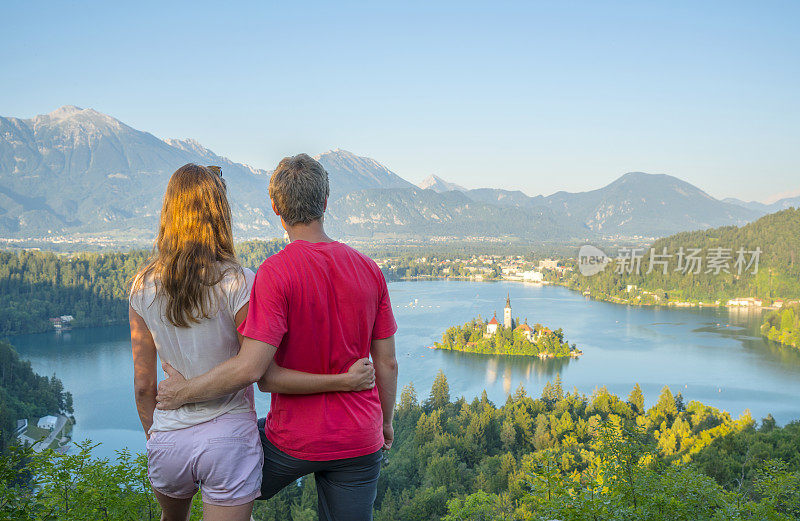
pixel 78 171
pixel 764 208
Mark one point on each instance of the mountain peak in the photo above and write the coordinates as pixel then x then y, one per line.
pixel 640 176
pixel 189 145
pixel 79 118
pixel 431 179
pixel 350 172
pixel 340 157
pixel 649 179
pixel 439 185
pixel 64 112
pixel 339 153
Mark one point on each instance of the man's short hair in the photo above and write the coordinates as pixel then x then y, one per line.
pixel 298 189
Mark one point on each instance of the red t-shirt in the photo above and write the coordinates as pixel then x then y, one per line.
pixel 321 304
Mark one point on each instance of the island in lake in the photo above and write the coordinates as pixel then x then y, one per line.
pixel 508 338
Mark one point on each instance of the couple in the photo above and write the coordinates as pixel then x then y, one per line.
pixel 303 328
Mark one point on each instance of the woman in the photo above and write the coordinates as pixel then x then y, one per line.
pixel 185 306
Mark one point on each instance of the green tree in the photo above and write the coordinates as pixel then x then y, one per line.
pixel 440 392
pixel 508 435
pixel 666 404
pixel 408 398
pixel 636 399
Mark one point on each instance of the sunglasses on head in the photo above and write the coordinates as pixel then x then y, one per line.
pixel 217 170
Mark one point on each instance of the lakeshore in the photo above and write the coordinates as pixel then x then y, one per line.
pixel 611 299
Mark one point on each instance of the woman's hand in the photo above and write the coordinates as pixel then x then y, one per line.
pixel 361 375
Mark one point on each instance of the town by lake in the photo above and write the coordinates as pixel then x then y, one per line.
pixel 715 356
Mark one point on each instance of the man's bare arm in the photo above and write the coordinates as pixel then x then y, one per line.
pixel 236 373
pixel 277 379
pixel 383 356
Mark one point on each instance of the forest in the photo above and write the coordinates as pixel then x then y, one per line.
pixel 778 269
pixel 25 394
pixel 561 455
pixel 471 338
pixel 783 325
pixel 92 287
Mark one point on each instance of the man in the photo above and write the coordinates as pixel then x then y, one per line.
pixel 317 306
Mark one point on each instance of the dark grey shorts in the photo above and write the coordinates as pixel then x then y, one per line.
pixel 346 488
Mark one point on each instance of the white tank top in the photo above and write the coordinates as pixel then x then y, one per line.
pixel 198 348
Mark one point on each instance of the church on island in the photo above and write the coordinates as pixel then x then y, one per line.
pixel 509 323
pixel 511 337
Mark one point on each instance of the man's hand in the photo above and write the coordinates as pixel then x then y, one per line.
pixel 388 436
pixel 169 389
pixel 361 375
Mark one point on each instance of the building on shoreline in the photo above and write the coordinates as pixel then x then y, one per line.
pixel 746 302
pixel 62 322
pixel 47 422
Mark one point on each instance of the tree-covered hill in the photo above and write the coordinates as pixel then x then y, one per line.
pixel 35 286
pixel 562 456
pixel 783 325
pixel 92 287
pixel 776 235
pixel 25 394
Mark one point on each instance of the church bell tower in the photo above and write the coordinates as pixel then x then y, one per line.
pixel 507 320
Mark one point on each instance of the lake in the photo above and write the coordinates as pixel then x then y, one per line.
pixel 713 355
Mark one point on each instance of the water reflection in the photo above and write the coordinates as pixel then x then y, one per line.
pixel 520 367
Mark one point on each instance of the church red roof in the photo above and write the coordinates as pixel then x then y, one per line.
pixel 494 321
pixel 525 327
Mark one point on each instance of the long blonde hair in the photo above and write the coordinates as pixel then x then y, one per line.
pixel 194 247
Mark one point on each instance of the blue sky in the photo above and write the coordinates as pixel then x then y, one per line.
pixel 537 96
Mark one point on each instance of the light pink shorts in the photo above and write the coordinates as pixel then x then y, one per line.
pixel 223 457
